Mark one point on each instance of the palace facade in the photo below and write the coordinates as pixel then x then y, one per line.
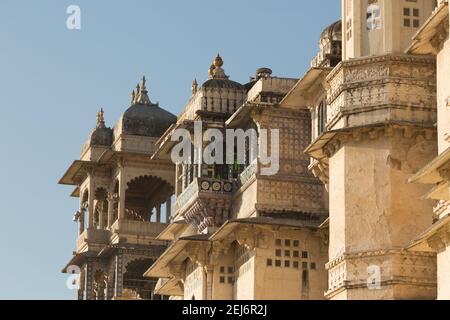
pixel 359 208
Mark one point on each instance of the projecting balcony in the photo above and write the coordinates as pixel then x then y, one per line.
pixel 205 202
pixel 390 88
pixel 92 239
pixel 135 231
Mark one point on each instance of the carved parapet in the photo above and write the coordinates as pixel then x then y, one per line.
pixel 366 270
pixel 92 239
pixel 382 88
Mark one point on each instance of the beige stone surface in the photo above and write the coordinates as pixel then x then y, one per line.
pixel 358 210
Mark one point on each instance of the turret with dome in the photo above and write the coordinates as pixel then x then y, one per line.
pixel 330 46
pixel 137 130
pixel 218 96
pixel 144 118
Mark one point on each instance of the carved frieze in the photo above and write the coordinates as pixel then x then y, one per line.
pixel 394 82
pixel 394 266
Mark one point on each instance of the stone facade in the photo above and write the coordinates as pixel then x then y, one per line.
pixel 121 195
pixel 349 214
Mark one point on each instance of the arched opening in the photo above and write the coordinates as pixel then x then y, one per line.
pixel 134 281
pixel 145 199
pixel 100 208
pixel 85 199
pixel 84 203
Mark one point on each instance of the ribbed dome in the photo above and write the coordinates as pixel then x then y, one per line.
pixel 146 120
pixel 223 84
pixel 101 137
pixel 332 33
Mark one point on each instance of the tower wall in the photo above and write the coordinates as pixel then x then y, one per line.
pixel 372 27
pixel 382 136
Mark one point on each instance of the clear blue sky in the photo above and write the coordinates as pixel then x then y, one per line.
pixel 53 81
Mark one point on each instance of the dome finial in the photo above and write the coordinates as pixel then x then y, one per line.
pixel 143 83
pixel 216 71
pixel 101 119
pixel 218 62
pixel 133 96
pixel 141 96
pixel 194 86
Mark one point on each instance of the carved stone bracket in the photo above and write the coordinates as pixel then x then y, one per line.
pixel 441 239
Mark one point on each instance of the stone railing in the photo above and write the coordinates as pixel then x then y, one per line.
pixel 204 185
pixel 93 236
pixel 248 173
pixel 187 194
pixel 140 228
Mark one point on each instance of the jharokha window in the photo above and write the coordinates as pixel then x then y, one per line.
pixel 373 15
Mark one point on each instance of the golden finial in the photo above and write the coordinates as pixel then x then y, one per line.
pixel 194 86
pixel 218 62
pixel 101 118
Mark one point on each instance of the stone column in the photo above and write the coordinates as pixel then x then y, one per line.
pixel 168 209
pixel 112 200
pixel 183 178
pixel 82 284
pixel 122 190
pixel 82 213
pixel 158 214
pixel 209 273
pixel 101 216
pixel 91 204
pixel 119 276
pixel 110 288
pixel 89 279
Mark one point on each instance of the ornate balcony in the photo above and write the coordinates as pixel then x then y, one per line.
pixel 371 90
pixel 206 202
